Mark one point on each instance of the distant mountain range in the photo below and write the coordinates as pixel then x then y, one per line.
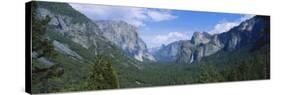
pixel 203 44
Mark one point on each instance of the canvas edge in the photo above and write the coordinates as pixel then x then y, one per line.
pixel 28 47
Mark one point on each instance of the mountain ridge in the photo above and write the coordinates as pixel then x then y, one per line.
pixel 125 36
pixel 203 44
pixel 82 30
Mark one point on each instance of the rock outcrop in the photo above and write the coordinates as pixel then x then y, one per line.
pixel 125 36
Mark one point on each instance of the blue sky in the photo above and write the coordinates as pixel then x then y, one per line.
pixel 157 27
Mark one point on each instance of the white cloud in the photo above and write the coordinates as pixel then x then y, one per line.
pixel 134 16
pixel 224 25
pixel 165 39
pixel 160 16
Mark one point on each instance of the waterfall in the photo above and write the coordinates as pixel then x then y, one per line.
pixel 191 59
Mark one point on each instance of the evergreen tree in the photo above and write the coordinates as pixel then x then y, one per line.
pixel 103 76
pixel 40 43
pixel 44 48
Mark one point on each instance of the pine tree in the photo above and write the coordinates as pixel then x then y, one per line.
pixel 40 43
pixel 103 76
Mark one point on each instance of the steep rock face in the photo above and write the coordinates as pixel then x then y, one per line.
pixel 125 36
pixel 203 44
pixel 64 49
pixel 200 38
pixel 83 33
pixel 168 52
pixel 246 33
pixel 213 46
pixel 186 52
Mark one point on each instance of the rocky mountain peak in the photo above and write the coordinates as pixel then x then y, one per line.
pixel 125 36
pixel 200 38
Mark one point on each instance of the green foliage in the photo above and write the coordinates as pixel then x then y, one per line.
pixel 40 43
pixel 41 73
pixel 103 76
pixel 42 77
pixel 77 79
pixel 209 74
pixel 157 74
pixel 243 64
pixel 250 68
